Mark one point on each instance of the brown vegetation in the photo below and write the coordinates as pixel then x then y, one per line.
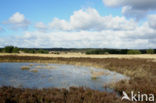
pixel 78 55
pixel 31 64
pixel 95 74
pixel 25 68
pixel 142 72
pixel 34 70
pixel 53 95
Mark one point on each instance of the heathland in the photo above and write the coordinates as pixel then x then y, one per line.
pixel 140 68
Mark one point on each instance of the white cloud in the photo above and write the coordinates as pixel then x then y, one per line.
pixel 141 37
pixel 88 29
pixel 140 4
pixel 152 21
pixel 17 21
pixel 113 3
pixel 133 8
pixel 58 24
pixel 90 19
pixel 41 26
pixel 17 18
pixel 128 11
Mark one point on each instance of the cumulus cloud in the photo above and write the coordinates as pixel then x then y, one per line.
pixel 129 7
pixel 58 24
pixel 90 19
pixel 128 11
pixel 41 26
pixel 139 4
pixel 88 29
pixel 17 21
pixel 152 21
pixel 141 37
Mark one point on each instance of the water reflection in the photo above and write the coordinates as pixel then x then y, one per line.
pixel 55 75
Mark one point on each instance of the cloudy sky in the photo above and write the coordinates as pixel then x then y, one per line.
pixel 78 23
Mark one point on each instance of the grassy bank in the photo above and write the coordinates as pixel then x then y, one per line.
pixel 142 72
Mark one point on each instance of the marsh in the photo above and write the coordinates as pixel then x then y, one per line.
pixel 58 76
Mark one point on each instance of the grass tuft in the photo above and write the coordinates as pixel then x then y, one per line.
pixel 34 70
pixel 25 68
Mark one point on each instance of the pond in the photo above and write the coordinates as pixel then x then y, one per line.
pixel 40 75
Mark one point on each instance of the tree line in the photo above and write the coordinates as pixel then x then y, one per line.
pixel 121 51
pixel 13 49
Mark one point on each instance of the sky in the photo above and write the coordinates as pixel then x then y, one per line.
pixel 123 24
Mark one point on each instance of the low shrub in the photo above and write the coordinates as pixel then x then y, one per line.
pixel 133 52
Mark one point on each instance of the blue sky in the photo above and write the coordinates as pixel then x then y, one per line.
pixel 51 8
pixel 61 23
pixel 46 10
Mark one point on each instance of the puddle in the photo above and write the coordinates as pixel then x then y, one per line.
pixel 56 75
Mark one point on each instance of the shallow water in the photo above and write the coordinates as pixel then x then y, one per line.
pixel 55 75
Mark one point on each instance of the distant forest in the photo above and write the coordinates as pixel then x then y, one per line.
pixel 13 49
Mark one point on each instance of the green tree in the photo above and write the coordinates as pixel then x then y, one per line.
pixel 42 51
pixel 8 49
pixel 15 50
pixel 26 50
pixel 133 52
pixel 1 50
pixel 150 51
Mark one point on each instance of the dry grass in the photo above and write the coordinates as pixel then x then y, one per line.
pixel 25 68
pixel 80 55
pixel 50 67
pixel 142 72
pixel 73 95
pixel 31 64
pixel 38 67
pixel 95 75
pixel 45 67
pixel 34 70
